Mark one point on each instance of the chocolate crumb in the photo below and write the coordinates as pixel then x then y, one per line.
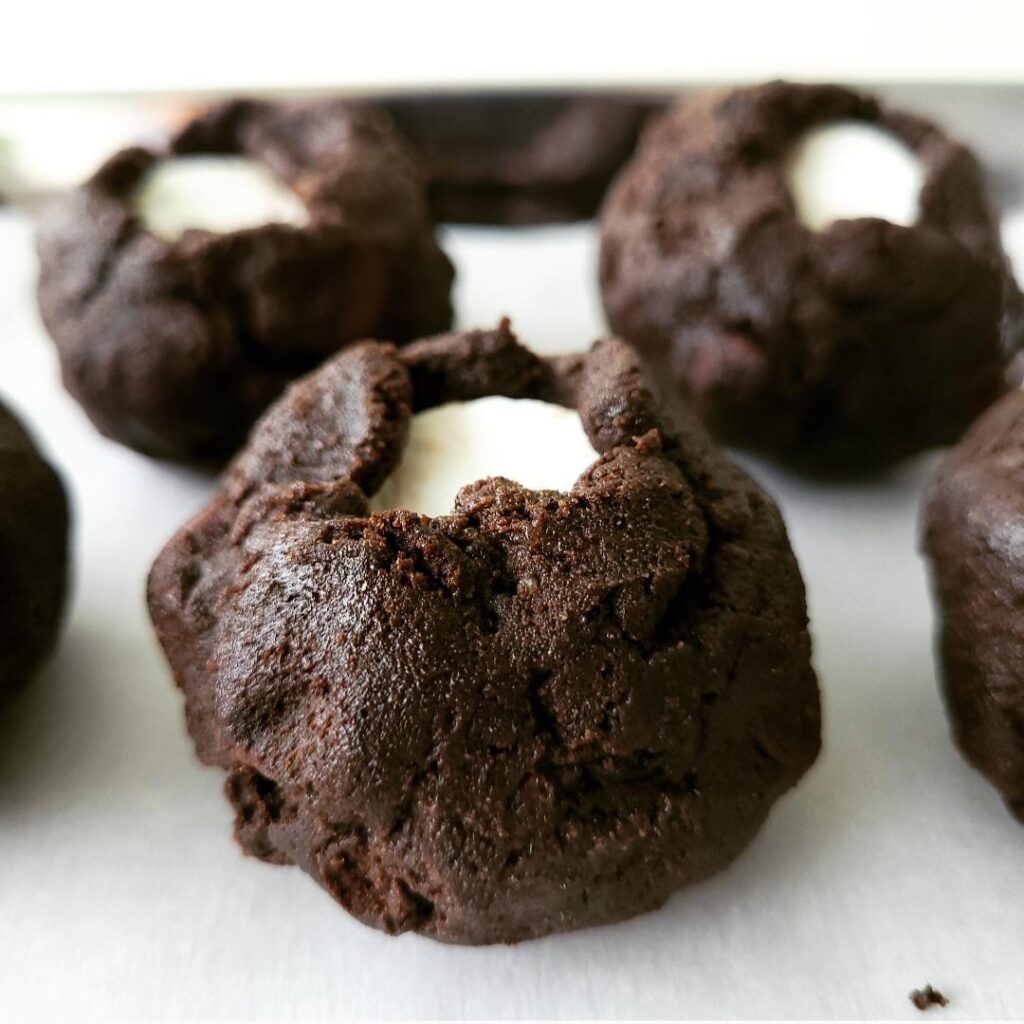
pixel 927 997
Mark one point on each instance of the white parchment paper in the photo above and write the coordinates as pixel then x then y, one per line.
pixel 122 893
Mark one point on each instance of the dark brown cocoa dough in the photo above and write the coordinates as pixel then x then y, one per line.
pixel 974 539
pixel 175 347
pixel 33 555
pixel 839 350
pixel 543 711
pixel 520 157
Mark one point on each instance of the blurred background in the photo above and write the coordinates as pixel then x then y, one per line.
pixel 76 81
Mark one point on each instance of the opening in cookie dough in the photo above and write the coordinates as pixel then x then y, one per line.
pixel 852 169
pixel 538 444
pixel 214 193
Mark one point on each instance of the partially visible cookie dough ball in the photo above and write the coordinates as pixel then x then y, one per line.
pixel 33 555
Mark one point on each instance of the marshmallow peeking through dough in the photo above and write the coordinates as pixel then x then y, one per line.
pixel 850 169
pixel 214 193
pixel 538 444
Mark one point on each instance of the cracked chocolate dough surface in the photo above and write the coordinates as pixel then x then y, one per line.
pixel 974 538
pixel 543 711
pixel 175 347
pixel 520 158
pixel 33 555
pixel 840 350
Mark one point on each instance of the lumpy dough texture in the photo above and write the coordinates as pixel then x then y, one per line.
pixel 546 710
pixel 840 349
pixel 974 536
pixel 175 345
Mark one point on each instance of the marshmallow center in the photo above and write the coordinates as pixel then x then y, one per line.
pixel 539 445
pixel 214 193
pixel 852 169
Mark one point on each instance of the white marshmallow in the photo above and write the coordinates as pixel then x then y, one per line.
pixel 852 169
pixel 215 193
pixel 540 445
pixel 1013 241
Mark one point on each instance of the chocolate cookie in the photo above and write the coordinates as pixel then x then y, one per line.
pixel 840 349
pixel 543 711
pixel 33 555
pixel 974 538
pixel 520 158
pixel 175 346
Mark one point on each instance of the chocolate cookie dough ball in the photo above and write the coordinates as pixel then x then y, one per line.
pixel 520 158
pixel 838 300
pixel 185 288
pixel 974 538
pixel 542 710
pixel 33 555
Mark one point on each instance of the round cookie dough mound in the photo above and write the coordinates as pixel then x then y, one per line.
pixel 174 345
pixel 33 555
pixel 974 538
pixel 542 711
pixel 520 158
pixel 840 349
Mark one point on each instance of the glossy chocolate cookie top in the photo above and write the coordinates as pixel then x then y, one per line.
pixel 544 710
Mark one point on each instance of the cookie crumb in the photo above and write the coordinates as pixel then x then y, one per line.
pixel 927 997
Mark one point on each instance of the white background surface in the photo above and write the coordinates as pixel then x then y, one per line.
pixel 122 894
pixel 59 46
